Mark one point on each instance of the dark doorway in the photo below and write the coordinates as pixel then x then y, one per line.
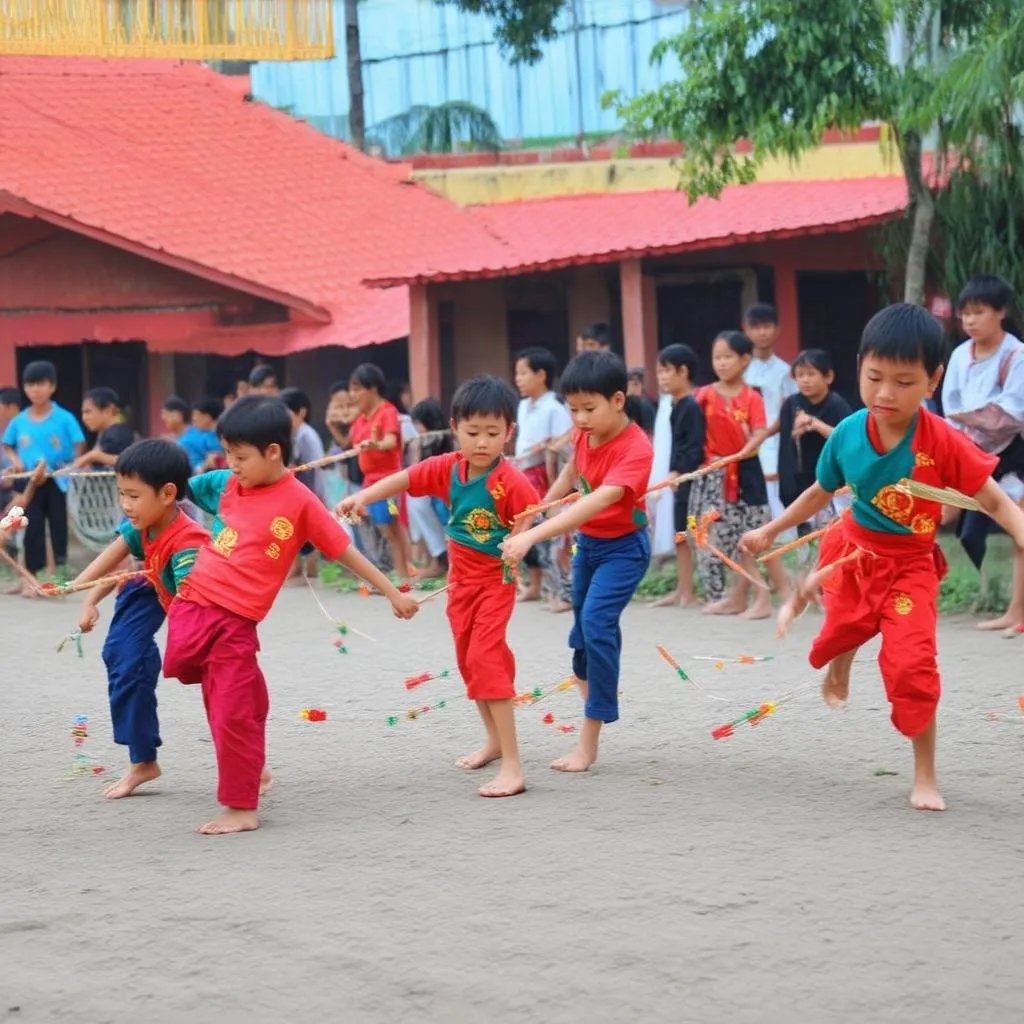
pixel 834 307
pixel 693 314
pixel 548 329
pixel 121 366
pixel 67 360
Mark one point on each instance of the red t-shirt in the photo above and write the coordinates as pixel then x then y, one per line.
pixel 376 427
pixel 481 517
pixel 256 535
pixel 624 462
pixel 730 421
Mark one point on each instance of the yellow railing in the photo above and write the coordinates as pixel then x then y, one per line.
pixel 183 29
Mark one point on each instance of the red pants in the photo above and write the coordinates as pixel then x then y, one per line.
pixel 218 649
pixel 479 614
pixel 891 589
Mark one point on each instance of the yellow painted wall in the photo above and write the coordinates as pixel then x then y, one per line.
pixel 476 185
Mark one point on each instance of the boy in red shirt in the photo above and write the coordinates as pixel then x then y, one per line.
pixel 264 515
pixel 880 567
pixel 485 493
pixel 612 463
pixel 377 432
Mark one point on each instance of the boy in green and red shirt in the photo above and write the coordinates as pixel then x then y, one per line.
pixel 485 493
pixel 264 515
pixel 612 463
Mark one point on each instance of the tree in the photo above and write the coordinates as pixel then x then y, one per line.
pixel 780 73
pixel 522 25
pixel 442 129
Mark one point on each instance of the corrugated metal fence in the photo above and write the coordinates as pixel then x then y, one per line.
pixel 419 52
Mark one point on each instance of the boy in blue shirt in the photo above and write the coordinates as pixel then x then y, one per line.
pixel 44 432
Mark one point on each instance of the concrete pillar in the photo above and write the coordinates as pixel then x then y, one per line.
pixel 160 385
pixel 788 308
pixel 639 318
pixel 424 347
pixel 8 365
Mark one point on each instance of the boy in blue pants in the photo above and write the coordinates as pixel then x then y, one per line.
pixel 612 464
pixel 152 477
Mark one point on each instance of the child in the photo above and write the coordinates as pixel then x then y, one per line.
pixel 44 431
pixel 152 478
pixel 646 409
pixel 805 423
pixel 428 516
pixel 486 493
pixel 887 564
pixel 676 366
pixel 174 414
pixel 200 440
pixel 263 381
pixel 263 516
pixel 594 338
pixel 612 462
pixel 983 396
pixel 377 432
pixel 10 406
pixel 735 425
pixel 771 376
pixel 101 415
pixel 306 447
pixel 540 420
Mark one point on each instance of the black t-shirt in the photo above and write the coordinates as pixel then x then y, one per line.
pixel 798 459
pixel 115 439
pixel 688 430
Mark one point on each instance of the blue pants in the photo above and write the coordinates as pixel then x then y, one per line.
pixel 605 575
pixel 133 668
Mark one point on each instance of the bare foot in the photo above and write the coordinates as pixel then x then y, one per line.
pixel 558 607
pixel 725 606
pixel 1003 622
pixel 266 781
pixel 760 609
pixel 508 782
pixel 667 601
pixel 578 761
pixel 479 759
pixel 132 779
pixel 925 796
pixel 531 594
pixel 835 689
pixel 232 820
pixel 790 612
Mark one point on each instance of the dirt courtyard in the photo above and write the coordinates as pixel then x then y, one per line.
pixel 777 876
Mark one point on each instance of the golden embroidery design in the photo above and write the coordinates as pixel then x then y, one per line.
pixel 225 541
pixel 921 459
pixel 274 551
pixel 281 528
pixel 894 503
pixel 922 523
pixel 902 603
pixel 481 524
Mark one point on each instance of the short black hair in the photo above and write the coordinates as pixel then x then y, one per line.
pixel 430 414
pixel 259 420
pixel 10 396
pixel 39 371
pixel 369 376
pixel 679 355
pixel 176 404
pixel 102 398
pixel 261 374
pixel 599 332
pixel 598 373
pixel 209 405
pixel 760 313
pixel 737 341
pixel 485 396
pixel 156 462
pixel 338 385
pixel 816 358
pixel 537 359
pixel 295 399
pixel 636 373
pixel 986 290
pixel 904 333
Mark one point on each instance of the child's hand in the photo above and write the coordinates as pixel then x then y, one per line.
pixel 39 473
pixel 89 617
pixel 404 606
pixel 802 424
pixel 350 509
pixel 756 541
pixel 514 548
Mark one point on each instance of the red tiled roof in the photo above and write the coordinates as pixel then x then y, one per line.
pixel 544 234
pixel 167 160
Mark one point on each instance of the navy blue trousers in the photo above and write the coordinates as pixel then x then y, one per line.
pixel 605 575
pixel 133 669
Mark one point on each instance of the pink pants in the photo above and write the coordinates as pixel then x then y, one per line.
pixel 218 649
